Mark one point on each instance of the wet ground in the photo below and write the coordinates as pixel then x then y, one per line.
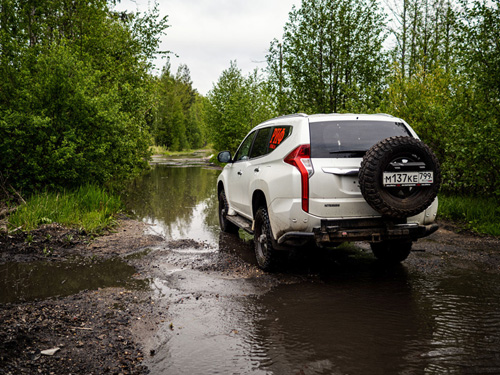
pixel 192 300
pixel 337 312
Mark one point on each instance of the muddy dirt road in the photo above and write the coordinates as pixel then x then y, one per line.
pixel 172 295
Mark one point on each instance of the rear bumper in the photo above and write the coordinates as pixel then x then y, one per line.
pixel 337 231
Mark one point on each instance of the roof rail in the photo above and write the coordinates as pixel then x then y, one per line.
pixel 290 115
pixel 354 114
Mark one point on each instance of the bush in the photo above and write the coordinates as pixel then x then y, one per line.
pixel 447 113
pixel 67 129
pixel 75 93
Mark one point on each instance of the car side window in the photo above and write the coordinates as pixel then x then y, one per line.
pixel 262 142
pixel 243 152
pixel 280 133
pixel 260 146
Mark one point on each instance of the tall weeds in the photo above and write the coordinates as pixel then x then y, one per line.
pixel 89 208
pixel 481 215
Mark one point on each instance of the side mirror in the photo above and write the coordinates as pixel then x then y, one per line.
pixel 224 157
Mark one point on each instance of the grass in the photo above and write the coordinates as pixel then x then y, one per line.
pixel 158 150
pixel 481 215
pixel 87 208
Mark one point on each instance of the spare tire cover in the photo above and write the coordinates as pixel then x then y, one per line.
pixel 400 177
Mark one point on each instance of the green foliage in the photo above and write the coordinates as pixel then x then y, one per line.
pixel 425 102
pixel 89 208
pixel 480 51
pixel 455 106
pixel 481 215
pixel 179 121
pixel 425 35
pixel 238 104
pixel 67 129
pixel 74 90
pixel 475 143
pixel 330 58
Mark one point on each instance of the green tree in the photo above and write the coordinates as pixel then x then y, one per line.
pixel 170 122
pixel 330 58
pixel 447 86
pixel 74 92
pixel 425 33
pixel 238 104
pixel 180 115
pixel 197 122
pixel 480 51
pixel 426 102
pixel 475 144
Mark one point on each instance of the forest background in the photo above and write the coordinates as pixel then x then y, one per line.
pixel 79 103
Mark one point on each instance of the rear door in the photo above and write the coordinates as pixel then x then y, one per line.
pixel 250 163
pixel 239 175
pixel 337 149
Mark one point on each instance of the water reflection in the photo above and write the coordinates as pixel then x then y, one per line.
pixel 41 280
pixel 392 324
pixel 332 313
pixel 357 325
pixel 211 326
pixel 461 310
pixel 178 202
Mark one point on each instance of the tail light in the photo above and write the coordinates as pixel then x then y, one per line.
pixel 301 159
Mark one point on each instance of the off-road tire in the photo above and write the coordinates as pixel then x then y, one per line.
pixel 397 202
pixel 265 254
pixel 225 225
pixel 391 251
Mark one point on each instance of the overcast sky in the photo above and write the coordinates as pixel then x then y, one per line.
pixel 208 34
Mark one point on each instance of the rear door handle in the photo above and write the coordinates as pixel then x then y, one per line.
pixel 342 171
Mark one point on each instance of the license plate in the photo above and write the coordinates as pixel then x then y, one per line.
pixel 393 179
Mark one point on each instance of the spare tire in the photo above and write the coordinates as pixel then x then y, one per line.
pixel 400 177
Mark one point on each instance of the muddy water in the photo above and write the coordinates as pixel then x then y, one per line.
pixel 22 282
pixel 177 202
pixel 332 313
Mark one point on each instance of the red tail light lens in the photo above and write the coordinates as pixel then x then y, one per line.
pixel 301 159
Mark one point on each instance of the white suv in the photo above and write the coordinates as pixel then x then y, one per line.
pixel 328 179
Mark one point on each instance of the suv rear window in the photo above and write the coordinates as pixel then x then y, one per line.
pixel 347 139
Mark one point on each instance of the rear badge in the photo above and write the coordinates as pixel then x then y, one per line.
pixel 332 205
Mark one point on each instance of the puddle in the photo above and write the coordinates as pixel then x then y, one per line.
pixel 177 203
pixel 365 320
pixel 41 280
pixel 339 313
